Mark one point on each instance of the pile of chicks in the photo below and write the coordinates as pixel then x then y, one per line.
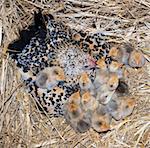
pixel 88 96
pixel 98 102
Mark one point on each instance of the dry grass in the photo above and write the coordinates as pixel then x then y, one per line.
pixel 21 125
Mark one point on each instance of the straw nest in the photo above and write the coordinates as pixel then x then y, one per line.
pixel 21 124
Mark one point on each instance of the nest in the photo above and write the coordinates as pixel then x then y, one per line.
pixel 21 123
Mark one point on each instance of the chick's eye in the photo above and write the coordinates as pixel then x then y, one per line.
pixel 99 123
pixel 127 106
pixel 56 72
pixel 83 84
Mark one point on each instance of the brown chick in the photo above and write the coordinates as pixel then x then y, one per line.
pixel 136 59
pixel 103 94
pixel 101 64
pixel 85 83
pixel 88 102
pixel 75 116
pixel 100 78
pixel 113 81
pixel 80 124
pixel 50 77
pixel 122 53
pixel 121 107
pixel 84 124
pixel 116 67
pixel 72 107
pixel 101 119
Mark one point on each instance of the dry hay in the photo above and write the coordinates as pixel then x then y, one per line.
pixel 21 124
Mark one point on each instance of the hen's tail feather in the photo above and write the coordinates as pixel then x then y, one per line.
pixel 36 29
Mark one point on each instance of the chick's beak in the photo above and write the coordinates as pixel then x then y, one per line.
pixel 105 127
pixel 61 77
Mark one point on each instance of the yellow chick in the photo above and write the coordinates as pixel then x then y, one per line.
pixel 50 77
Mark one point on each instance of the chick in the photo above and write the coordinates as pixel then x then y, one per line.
pixel 50 77
pixel 121 107
pixel 116 67
pixel 136 59
pixel 101 119
pixel 104 95
pixel 85 83
pixel 100 78
pixel 80 124
pixel 122 53
pixel 113 53
pixel 72 109
pixel 127 106
pixel 102 73
pixel 84 124
pixel 101 64
pixel 75 98
pixel 75 116
pixel 113 81
pixel 88 102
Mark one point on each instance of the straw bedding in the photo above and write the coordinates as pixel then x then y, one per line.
pixel 21 124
